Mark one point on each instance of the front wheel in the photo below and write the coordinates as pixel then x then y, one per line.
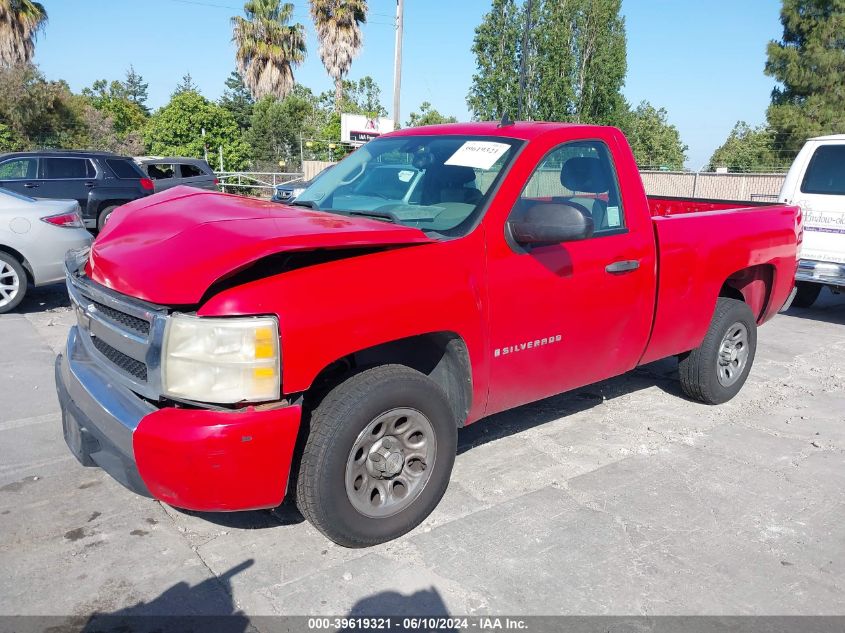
pixel 715 371
pixel 378 456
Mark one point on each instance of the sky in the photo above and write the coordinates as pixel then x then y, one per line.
pixel 701 60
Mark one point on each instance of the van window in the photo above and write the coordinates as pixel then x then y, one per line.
pixel 160 171
pixel 826 172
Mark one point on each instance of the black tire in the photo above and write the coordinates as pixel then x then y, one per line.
pixel 7 262
pixel 104 216
pixel 335 426
pixel 699 369
pixel 807 294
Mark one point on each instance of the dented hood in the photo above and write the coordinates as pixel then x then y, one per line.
pixel 171 247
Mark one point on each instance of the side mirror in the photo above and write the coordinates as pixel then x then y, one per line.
pixel 550 223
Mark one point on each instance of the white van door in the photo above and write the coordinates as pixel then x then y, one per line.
pixel 821 195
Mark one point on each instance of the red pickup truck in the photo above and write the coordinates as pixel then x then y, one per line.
pixel 230 352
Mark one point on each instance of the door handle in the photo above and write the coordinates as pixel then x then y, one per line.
pixel 624 266
pixel 30 185
pixel 89 184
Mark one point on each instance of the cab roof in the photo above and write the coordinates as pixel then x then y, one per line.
pixel 523 130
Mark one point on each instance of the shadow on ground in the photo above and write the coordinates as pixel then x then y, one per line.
pixel 828 308
pixel 44 299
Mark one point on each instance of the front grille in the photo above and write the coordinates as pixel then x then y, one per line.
pixel 128 364
pixel 127 320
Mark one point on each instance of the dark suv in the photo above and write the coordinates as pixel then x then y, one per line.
pixel 99 181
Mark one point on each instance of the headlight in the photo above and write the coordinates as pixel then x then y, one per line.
pixel 296 192
pixel 221 360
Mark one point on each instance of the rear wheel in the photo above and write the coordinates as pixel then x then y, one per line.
pixel 807 294
pixel 12 283
pixel 378 456
pixel 104 216
pixel 715 371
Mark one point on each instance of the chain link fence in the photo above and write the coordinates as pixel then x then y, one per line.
pixel 752 187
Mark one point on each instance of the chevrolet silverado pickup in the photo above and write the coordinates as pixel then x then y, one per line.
pixel 230 353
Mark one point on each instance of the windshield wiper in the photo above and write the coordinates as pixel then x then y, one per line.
pixel 380 215
pixel 304 203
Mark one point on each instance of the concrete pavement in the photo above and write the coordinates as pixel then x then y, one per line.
pixel 620 498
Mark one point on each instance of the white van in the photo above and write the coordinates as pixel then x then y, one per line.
pixel 816 183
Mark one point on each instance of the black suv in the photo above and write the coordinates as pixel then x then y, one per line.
pixel 99 181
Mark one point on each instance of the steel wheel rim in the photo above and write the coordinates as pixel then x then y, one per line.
pixel 10 284
pixel 390 463
pixel 733 354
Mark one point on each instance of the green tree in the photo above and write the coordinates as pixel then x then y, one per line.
pixel 363 97
pixel 495 84
pixel 176 129
pixel 656 142
pixel 579 63
pixel 237 100
pixel 338 24
pixel 135 89
pixel 114 101
pixel 268 48
pixel 428 115
pixel 20 23
pixel 276 126
pixel 809 65
pixel 36 112
pixel 749 149
pixel 186 85
pixel 574 59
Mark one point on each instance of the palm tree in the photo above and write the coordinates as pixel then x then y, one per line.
pixel 268 47
pixel 339 32
pixel 20 21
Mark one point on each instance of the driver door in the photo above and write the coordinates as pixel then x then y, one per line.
pixel 570 314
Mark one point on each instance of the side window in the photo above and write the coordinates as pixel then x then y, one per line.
pixel 160 171
pixel 19 169
pixel 826 172
pixel 190 171
pixel 580 174
pixel 65 168
pixel 125 168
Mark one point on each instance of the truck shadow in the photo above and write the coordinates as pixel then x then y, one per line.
pixel 828 308
pixel 662 374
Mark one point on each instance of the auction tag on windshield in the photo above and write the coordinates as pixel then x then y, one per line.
pixel 405 175
pixel 478 154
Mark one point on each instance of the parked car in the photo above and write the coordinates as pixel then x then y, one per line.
pixel 288 192
pixel 331 354
pixel 98 181
pixel 816 183
pixel 169 172
pixel 34 237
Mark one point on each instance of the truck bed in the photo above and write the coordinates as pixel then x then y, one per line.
pixel 702 243
pixel 661 206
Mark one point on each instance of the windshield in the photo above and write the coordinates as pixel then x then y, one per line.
pixel 436 183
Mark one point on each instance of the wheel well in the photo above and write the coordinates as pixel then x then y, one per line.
pixel 753 285
pixel 442 356
pixel 21 259
pixel 104 204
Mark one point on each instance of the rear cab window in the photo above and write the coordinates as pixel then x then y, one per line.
pixel 580 174
pixel 124 168
pixel 825 173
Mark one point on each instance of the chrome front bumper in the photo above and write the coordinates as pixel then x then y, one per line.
pixel 828 273
pixel 99 416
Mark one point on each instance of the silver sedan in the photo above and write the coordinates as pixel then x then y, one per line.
pixel 35 235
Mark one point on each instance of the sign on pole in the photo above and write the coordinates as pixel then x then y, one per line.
pixel 358 129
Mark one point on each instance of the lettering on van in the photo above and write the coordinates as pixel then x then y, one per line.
pixel 521 347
